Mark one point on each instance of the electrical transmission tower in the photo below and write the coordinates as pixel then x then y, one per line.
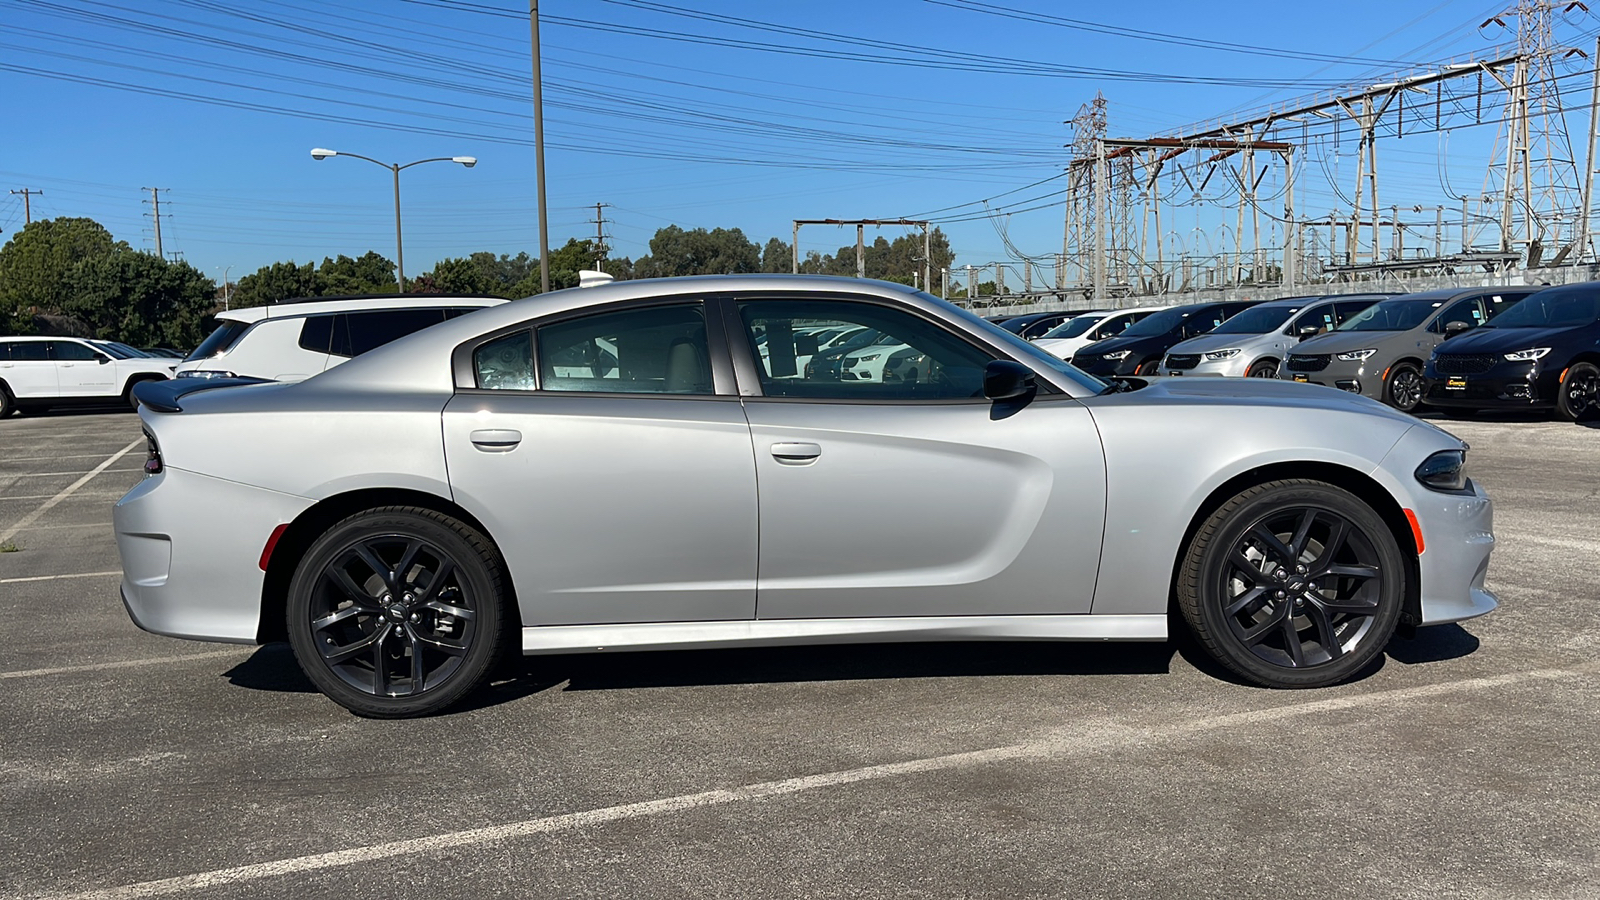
pixel 1534 170
pixel 1083 247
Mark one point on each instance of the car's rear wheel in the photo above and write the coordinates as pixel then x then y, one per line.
pixel 1403 390
pixel 1293 584
pixel 1263 368
pixel 7 405
pixel 1579 391
pixel 398 612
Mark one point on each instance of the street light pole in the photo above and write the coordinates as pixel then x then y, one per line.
pixel 399 246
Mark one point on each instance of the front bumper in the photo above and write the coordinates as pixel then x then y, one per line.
pixel 1229 368
pixel 1506 385
pixel 1099 365
pixel 1353 377
pixel 191 549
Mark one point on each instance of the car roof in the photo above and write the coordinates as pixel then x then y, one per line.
pixel 309 306
pixel 44 337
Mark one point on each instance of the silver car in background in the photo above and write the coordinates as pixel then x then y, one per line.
pixel 1080 331
pixel 619 468
pixel 1255 341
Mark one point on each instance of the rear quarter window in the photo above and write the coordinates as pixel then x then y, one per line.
pixel 366 331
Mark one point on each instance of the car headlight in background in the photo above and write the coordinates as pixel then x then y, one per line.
pixel 1222 354
pixel 1525 355
pixel 205 373
pixel 1117 354
pixel 1444 471
pixel 1357 355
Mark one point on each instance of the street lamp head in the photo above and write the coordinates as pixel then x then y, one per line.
pixel 319 153
pixel 468 161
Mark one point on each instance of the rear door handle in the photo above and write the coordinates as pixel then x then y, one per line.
pixel 796 453
pixel 496 440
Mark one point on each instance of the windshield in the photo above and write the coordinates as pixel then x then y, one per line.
pixel 1258 320
pixel 218 342
pixel 1157 323
pixel 1075 327
pixel 117 350
pixel 1552 309
pixel 1392 315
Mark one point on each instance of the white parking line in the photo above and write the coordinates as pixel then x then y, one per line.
pixel 1060 744
pixel 59 474
pixel 120 664
pixel 56 577
pixel 90 495
pixel 67 491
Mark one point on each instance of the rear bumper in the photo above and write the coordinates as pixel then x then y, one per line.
pixel 191 547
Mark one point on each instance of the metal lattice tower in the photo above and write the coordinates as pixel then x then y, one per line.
pixel 1083 244
pixel 1533 171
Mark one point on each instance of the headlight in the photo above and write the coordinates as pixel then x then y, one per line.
pixel 205 373
pixel 1117 354
pixel 1525 355
pixel 1444 471
pixel 862 359
pixel 1357 355
pixel 1222 354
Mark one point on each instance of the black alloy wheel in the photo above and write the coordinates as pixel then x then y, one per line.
pixel 1404 388
pixel 1293 584
pixel 1263 368
pixel 1579 392
pixel 397 612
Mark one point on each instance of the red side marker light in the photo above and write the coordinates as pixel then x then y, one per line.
pixel 272 543
pixel 1416 531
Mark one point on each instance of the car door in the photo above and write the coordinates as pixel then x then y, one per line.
pixel 609 456
pixel 1468 310
pixel 27 370
pixel 83 371
pixel 913 495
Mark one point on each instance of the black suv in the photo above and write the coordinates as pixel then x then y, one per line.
pixel 1543 353
pixel 1138 350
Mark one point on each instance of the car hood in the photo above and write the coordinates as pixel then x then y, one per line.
pixel 1505 340
pixel 1343 341
pixel 1207 342
pixel 1136 344
pixel 1259 392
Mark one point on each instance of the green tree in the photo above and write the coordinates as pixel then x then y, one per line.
pixel 141 299
pixel 279 281
pixel 370 273
pixel 777 256
pixel 36 267
pixel 721 251
pixel 458 276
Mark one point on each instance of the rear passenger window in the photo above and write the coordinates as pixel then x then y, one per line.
pixel 316 333
pixel 357 333
pixel 30 351
pixel 5 350
pixel 657 350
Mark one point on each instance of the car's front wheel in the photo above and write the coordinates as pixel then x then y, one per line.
pixel 1263 368
pixel 1579 391
pixel 398 612
pixel 1293 584
pixel 1403 390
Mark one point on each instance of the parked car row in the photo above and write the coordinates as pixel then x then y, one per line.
pixel 1458 350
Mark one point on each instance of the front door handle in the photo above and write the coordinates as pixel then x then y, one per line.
pixel 796 453
pixel 496 440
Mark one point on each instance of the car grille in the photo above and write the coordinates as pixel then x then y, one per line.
pixel 1183 360
pixel 1084 362
pixel 1316 363
pixel 1462 364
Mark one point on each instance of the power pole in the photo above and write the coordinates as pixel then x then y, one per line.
pixel 861 240
pixel 155 204
pixel 27 207
pixel 861 251
pixel 538 149
pixel 600 248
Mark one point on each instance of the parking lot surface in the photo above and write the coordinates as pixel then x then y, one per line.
pixel 1467 765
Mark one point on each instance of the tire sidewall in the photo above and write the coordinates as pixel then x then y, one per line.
pixel 1265 366
pixel 1563 407
pixel 1233 653
pixel 1388 388
pixel 481 575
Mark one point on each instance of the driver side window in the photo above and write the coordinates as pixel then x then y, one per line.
pixel 1469 311
pixel 890 355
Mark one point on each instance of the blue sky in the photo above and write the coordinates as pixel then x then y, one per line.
pixel 671 113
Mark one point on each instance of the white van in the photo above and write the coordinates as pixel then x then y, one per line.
pixel 296 339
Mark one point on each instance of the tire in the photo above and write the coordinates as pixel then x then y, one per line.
pixel 1266 597
pixel 1403 389
pixel 127 393
pixel 1579 392
pixel 1148 367
pixel 7 404
pixel 393 645
pixel 1263 368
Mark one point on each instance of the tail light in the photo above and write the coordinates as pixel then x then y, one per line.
pixel 152 459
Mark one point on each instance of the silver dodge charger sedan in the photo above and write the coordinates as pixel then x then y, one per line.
pixel 621 468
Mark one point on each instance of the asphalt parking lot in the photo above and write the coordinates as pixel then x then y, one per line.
pixel 1466 766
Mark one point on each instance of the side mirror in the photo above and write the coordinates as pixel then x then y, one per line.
pixel 1004 380
pixel 1456 327
pixel 1306 331
pixel 102 360
pixel 805 345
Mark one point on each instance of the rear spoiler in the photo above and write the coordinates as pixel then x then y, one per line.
pixel 163 396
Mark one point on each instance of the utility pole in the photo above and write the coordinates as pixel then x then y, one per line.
pixel 600 248
pixel 861 251
pixel 538 150
pixel 27 206
pixel 155 203
pixel 861 240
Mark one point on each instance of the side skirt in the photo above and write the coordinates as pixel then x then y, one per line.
pixel 777 632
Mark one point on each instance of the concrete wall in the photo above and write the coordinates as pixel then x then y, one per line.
pixel 1049 302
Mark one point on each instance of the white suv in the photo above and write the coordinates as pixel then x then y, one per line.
pixel 39 372
pixel 296 339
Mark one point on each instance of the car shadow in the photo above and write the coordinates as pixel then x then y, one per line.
pixel 1436 643
pixel 273 668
